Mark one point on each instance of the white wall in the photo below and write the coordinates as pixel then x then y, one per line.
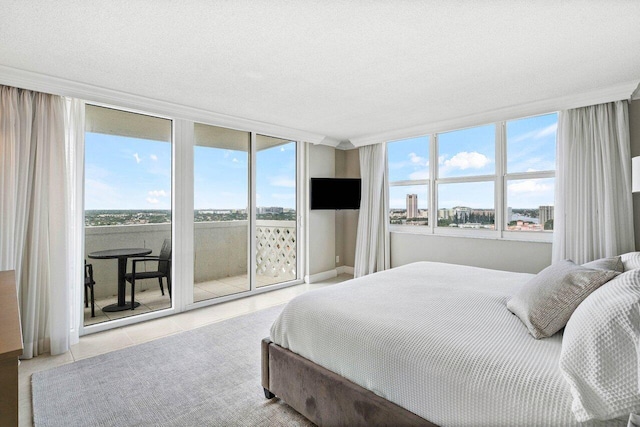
pixel 509 255
pixel 347 166
pixel 321 226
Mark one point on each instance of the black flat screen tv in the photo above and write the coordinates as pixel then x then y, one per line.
pixel 335 193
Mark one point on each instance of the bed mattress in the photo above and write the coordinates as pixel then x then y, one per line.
pixel 436 339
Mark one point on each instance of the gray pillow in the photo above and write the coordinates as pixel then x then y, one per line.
pixel 546 302
pixel 613 263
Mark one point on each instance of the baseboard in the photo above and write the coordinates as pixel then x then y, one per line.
pixel 345 269
pixel 318 277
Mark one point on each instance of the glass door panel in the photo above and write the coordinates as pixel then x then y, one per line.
pixel 127 214
pixel 221 226
pixel 276 215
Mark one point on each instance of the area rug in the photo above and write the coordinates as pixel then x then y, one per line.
pixel 208 376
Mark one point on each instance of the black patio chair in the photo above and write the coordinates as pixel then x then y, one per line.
pixel 163 270
pixel 88 286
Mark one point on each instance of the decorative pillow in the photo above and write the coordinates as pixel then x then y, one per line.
pixel 613 263
pixel 547 301
pixel 630 260
pixel 601 351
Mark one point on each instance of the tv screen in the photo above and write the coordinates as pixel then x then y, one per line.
pixel 335 193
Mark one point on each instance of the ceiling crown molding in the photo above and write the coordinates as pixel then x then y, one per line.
pixel 627 90
pixel 55 85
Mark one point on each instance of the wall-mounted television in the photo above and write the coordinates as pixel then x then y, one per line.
pixel 335 193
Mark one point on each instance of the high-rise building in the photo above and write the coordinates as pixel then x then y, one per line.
pixel 545 214
pixel 412 205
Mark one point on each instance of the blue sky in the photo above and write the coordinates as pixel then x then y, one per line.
pixel 131 173
pixel 471 152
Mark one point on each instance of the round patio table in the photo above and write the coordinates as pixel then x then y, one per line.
pixel 122 255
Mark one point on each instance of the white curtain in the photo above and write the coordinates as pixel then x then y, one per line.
pixel 35 206
pixel 372 242
pixel 593 209
pixel 75 129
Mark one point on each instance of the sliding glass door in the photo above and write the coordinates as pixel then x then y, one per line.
pixel 127 215
pixel 221 220
pixel 276 211
pixel 244 214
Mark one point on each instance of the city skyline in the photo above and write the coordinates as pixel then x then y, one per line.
pixel 522 219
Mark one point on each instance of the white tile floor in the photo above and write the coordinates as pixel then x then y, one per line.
pixel 152 298
pixel 115 339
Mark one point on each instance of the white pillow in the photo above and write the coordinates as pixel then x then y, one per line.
pixel 630 260
pixel 601 351
pixel 613 263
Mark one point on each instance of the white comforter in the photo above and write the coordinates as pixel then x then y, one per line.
pixel 436 339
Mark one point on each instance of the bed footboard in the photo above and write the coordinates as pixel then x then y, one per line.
pixel 324 397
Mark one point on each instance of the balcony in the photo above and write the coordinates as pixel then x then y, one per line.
pixel 220 261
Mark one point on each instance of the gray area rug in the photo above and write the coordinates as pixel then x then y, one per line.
pixel 208 376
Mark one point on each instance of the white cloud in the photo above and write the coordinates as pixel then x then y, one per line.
pixel 281 148
pixel 417 160
pixel 549 130
pixel 423 174
pixel 138 159
pixel 530 186
pixel 537 134
pixel 153 157
pixel 464 160
pixel 152 200
pixel 279 181
pixel 234 160
pixel 100 195
pixel 158 193
pixel 281 196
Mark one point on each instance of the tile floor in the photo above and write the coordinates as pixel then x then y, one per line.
pixel 115 339
pixel 152 298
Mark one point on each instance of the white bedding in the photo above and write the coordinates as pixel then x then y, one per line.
pixel 436 339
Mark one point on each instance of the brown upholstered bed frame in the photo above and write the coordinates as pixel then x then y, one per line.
pixel 324 397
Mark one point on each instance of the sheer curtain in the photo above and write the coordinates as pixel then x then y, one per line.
pixel 372 241
pixel 593 207
pixel 34 201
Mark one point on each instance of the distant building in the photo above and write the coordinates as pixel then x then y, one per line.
pixel 545 214
pixel 269 209
pixel 412 205
pixel 509 214
pixel 462 213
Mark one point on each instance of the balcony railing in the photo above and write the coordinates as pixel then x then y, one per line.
pixel 220 250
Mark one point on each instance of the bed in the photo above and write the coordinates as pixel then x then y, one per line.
pixel 422 344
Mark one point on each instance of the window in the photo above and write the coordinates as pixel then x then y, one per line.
pixel 466 178
pixel 127 205
pixel 408 162
pixel 498 178
pixel 531 158
pixel 276 211
pixel 221 198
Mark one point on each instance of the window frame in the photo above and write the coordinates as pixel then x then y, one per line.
pixel 182 220
pixel 500 179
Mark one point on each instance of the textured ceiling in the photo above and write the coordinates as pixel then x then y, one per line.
pixel 344 69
